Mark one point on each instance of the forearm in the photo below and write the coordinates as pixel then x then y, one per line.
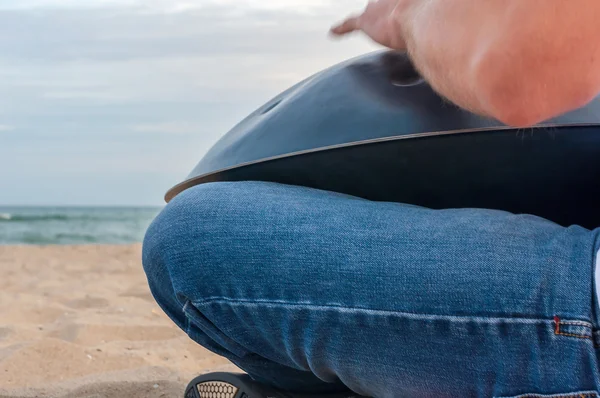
pixel 518 61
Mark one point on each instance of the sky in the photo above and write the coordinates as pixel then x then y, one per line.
pixel 112 102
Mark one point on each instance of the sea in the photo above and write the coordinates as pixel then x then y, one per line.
pixel 74 225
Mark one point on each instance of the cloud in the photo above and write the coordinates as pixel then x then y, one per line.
pixel 215 29
pixel 97 81
pixel 118 54
pixel 169 5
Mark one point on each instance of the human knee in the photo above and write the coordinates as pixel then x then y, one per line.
pixel 179 226
pixel 187 244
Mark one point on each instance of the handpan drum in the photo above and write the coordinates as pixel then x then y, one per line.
pixel 370 127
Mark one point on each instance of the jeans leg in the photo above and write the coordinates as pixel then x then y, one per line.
pixel 167 246
pixel 311 290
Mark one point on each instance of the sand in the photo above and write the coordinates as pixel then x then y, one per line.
pixel 79 321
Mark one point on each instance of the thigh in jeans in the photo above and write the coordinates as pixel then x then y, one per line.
pixel 391 300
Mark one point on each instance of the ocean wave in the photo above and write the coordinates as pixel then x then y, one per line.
pixel 74 225
pixel 79 216
pixel 66 238
pixel 22 217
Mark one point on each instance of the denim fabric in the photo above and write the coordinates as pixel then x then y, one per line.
pixel 315 291
pixel 597 279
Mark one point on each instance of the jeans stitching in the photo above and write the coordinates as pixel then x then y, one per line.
pixel 557 321
pixel 233 346
pixel 557 330
pixel 466 318
pixel 579 336
pixel 586 324
pixel 187 318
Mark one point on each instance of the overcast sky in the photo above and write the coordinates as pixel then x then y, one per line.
pixel 108 102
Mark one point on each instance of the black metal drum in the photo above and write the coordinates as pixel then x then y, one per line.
pixel 372 128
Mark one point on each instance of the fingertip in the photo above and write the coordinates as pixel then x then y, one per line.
pixel 334 32
pixel 341 30
pixel 348 26
pixel 336 29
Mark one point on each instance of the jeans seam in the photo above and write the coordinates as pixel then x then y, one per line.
pixel 579 336
pixel 560 326
pixel 232 346
pixel 470 318
pixel 577 323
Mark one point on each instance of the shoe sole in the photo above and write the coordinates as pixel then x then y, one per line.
pixel 220 385
pixel 233 385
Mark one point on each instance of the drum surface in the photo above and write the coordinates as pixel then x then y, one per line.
pixel 371 128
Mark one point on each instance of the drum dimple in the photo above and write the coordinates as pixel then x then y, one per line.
pixel 270 107
pixel 401 71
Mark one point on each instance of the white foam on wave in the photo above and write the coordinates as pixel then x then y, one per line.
pixel 5 216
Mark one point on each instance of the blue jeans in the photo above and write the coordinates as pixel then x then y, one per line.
pixel 318 292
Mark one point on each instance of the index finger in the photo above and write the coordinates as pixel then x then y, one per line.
pixel 349 25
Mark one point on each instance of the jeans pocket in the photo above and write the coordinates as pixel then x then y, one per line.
pixel 583 394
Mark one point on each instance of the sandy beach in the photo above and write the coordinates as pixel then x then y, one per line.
pixel 79 321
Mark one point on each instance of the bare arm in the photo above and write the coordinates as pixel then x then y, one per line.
pixel 519 61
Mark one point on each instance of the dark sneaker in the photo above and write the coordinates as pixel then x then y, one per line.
pixel 230 385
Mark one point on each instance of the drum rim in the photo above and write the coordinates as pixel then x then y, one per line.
pixel 198 180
